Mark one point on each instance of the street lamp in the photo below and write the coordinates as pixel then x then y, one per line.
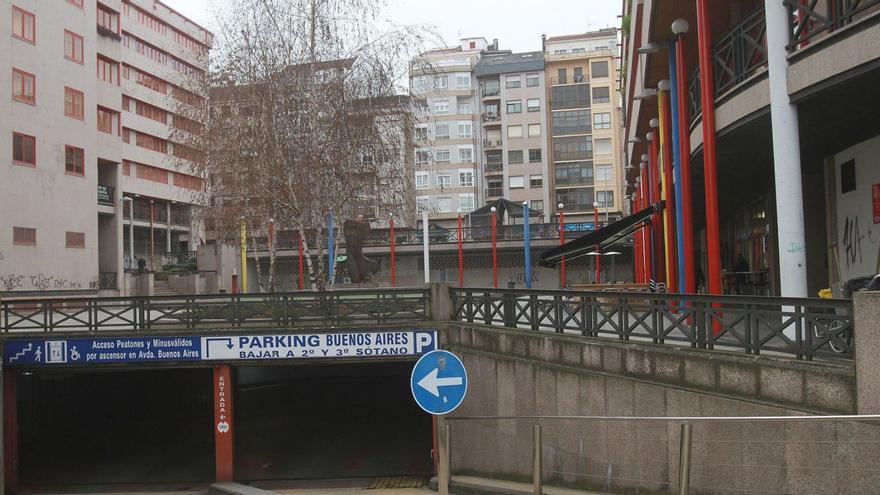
pixel 680 27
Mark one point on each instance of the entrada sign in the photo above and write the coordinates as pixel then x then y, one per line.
pixel 219 348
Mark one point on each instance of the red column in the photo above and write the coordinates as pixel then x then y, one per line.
pixel 494 250
pixel 598 246
pixel 223 425
pixel 656 221
pixel 710 165
pixel 647 244
pixel 300 254
pixel 637 247
pixel 10 429
pixel 393 267
pixel 684 139
pixel 561 242
pixel 669 210
pixel 460 254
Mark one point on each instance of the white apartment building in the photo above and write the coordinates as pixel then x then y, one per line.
pixel 447 177
pixel 94 110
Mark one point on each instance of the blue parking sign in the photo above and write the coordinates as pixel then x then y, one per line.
pixel 439 382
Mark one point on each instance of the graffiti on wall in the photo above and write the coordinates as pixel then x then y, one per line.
pixel 39 281
pixel 852 241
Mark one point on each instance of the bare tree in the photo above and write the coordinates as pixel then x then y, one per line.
pixel 309 116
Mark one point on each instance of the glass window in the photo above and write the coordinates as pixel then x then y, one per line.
pixel 73 103
pixel 466 178
pixel 602 146
pixel 605 198
pixel 466 201
pixel 576 199
pixel 574 96
pixel 78 3
pixel 465 108
pixel 601 94
pixel 444 205
pixel 574 174
pixel 105 120
pixel 441 131
pixel 517 182
pixel 75 240
pixel 534 104
pixel 24 86
pixel 444 181
pixel 578 74
pixel 514 106
pixel 512 82
pixel 604 173
pixel 24 149
pixel 537 204
pixel 423 204
pixel 599 69
pixel 423 157
pixel 514 131
pixel 465 155
pixel 463 81
pixel 572 148
pixel 108 19
pixel 23 25
pixel 562 76
pixel 465 130
pixel 515 156
pixel 74 160
pixel 536 181
pixel 24 235
pixel 532 80
pixel 534 130
pixel 535 155
pixel 602 121
pixel 73 46
pixel 441 82
pixel 421 180
pixel 571 122
pixel 442 156
pixel 421 133
pixel 491 88
pixel 441 106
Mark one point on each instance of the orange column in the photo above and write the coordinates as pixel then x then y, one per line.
pixel 223 424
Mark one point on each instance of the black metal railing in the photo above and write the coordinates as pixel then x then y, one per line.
pixel 791 327
pixel 105 195
pixel 810 19
pixel 181 258
pixel 736 56
pixel 289 309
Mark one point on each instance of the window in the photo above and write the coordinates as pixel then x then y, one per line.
pixel 465 108
pixel 602 121
pixel 441 82
pixel 514 131
pixel 465 130
pixel 514 157
pixel 602 147
pixel 532 80
pixel 73 46
pixel 599 69
pixel 463 81
pixel 565 97
pixel 572 148
pixel 108 19
pixel 444 181
pixel 442 156
pixel 605 198
pixel 847 176
pixel 108 70
pixel 534 130
pixel 420 84
pixel 423 204
pixel 514 106
pixel 73 103
pixel 578 50
pixel 601 94
pixel 571 122
pixel 154 174
pixel 421 133
pixel 75 240
pixel 536 204
pixel 441 106
pixel 74 161
pixel 465 155
pixel 536 181
pixel 24 25
pixel 466 202
pixel 421 180
pixel 24 236
pixel 106 119
pixel 24 86
pixel 466 178
pixel 535 155
pixel 24 149
pixel 533 104
pixel 578 75
pixel 574 174
pixel 151 142
pixel 78 3
pixel 441 131
pixel 512 82
pixel 145 79
pixel 604 173
pixel 516 182
pixel 444 205
pixel 188 182
pixel 562 76
pixel 494 188
pixel 148 50
pixel 577 199
pixel 422 157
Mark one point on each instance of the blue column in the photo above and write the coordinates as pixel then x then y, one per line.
pixel 331 256
pixel 676 162
pixel 527 240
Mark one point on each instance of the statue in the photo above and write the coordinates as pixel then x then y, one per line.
pixel 359 266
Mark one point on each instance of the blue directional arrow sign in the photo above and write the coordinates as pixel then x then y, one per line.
pixel 439 382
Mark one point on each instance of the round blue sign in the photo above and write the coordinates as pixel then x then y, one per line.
pixel 438 382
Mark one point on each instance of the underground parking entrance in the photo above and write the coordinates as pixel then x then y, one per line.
pixel 309 420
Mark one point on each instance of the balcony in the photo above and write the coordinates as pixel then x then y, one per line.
pixel 108 33
pixel 490 92
pixel 556 81
pixel 494 192
pixel 491 117
pixel 494 168
pixel 492 143
pixel 106 195
pixel 810 21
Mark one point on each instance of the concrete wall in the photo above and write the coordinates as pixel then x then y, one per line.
pixel 513 372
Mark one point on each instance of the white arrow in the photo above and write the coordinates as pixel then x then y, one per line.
pixel 431 382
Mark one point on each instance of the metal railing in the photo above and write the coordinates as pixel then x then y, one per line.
pixel 810 19
pixel 491 117
pixel 289 309
pixel 690 453
pixel 491 143
pixel 494 91
pixel 803 328
pixel 105 195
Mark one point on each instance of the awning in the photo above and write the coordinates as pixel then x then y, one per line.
pixel 603 237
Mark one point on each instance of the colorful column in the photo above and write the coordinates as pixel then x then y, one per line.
pixel 658 260
pixel 331 253
pixel 637 248
pixel 676 166
pixel 223 423
pixel 494 248
pixel 666 187
pixel 527 240
pixel 680 28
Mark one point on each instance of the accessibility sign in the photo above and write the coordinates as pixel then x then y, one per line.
pixel 217 348
pixel 439 382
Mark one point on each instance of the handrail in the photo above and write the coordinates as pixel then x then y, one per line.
pixel 685 419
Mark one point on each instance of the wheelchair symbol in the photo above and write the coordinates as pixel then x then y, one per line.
pixel 74 354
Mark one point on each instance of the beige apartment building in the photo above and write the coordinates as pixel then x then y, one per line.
pixel 584 126
pixel 96 173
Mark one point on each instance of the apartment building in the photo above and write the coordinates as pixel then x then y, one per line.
pixel 583 133
pixel 447 136
pixel 513 127
pixel 97 91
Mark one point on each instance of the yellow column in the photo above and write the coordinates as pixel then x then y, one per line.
pixel 661 96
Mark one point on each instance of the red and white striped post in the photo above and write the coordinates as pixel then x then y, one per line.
pixel 561 242
pixel 494 249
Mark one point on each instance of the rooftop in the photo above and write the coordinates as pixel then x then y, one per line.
pixel 602 33
pixel 504 61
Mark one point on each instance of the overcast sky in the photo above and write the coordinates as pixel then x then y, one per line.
pixel 518 24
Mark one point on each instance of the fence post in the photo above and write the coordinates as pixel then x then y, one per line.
pixel 509 306
pixel 866 314
pixel 537 481
pixel 441 307
pixel 684 459
pixel 443 467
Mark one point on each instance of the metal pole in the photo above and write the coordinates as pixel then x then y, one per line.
pixel 637 238
pixel 425 248
pixel 494 250
pixel 168 247
pixel 537 481
pixel 331 256
pixel 460 254
pixel 527 239
pixel 393 267
pixel 598 246
pixel 684 459
pixel 561 242
pixel 444 473
pixel 666 187
pixel 243 248
pixel 684 141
